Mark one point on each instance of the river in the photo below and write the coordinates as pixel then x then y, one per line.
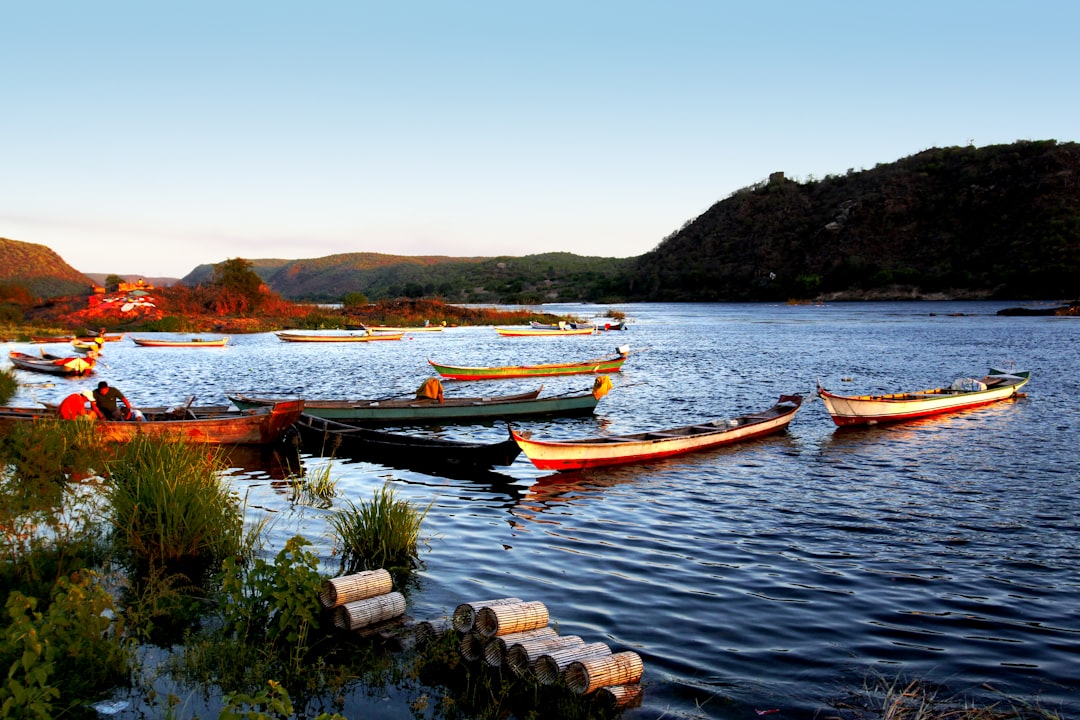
pixel 778 574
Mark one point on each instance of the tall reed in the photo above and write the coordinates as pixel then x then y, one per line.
pixel 172 506
pixel 382 533
pixel 9 385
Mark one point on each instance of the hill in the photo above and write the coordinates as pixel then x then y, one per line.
pixel 529 279
pixel 40 270
pixel 1000 221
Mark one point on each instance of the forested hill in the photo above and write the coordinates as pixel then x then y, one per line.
pixel 529 279
pixel 40 270
pixel 998 221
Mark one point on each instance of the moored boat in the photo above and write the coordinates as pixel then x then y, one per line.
pixel 611 364
pixel 291 336
pixel 962 394
pixel 401 450
pixel 422 410
pixel 190 342
pixel 213 425
pixel 527 331
pixel 54 365
pixel 48 339
pixel 652 445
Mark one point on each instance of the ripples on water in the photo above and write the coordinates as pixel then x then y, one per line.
pixel 775 574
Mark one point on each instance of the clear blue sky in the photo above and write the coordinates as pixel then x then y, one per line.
pixel 150 137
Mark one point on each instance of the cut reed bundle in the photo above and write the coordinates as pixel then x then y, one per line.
pixel 549 667
pixel 465 613
pixel 358 586
pixel 429 630
pixel 361 613
pixel 521 655
pixel 495 648
pixel 616 697
pixel 496 620
pixel 471 646
pixel 585 676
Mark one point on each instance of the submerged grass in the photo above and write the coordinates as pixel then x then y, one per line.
pixel 171 506
pixel 382 533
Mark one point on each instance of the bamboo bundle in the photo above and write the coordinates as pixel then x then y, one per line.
pixel 549 667
pixel 361 613
pixel 360 586
pixel 465 613
pixel 511 618
pixel 584 676
pixel 495 648
pixel 522 654
pixel 428 630
pixel 619 696
pixel 471 646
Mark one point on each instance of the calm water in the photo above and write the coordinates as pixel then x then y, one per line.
pixel 776 574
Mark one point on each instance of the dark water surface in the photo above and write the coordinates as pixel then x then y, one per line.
pixel 774 574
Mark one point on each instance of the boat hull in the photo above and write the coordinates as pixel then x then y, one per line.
pixel 649 446
pixel 532 332
pixel 210 426
pixel 423 411
pixel 147 342
pixel 398 450
pixel 75 366
pixel 847 410
pixel 587 367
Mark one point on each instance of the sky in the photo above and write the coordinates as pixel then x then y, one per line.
pixel 150 137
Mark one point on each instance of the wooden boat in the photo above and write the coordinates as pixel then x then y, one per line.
pixel 214 425
pixel 53 364
pixel 398 450
pixel 962 394
pixel 525 331
pixel 191 342
pixel 287 336
pixel 652 445
pixel 414 411
pixel 85 346
pixel 610 364
pixel 104 337
pixel 43 339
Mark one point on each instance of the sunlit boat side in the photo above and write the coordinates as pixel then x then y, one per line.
pixel 898 407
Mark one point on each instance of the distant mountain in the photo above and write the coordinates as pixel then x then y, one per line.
pixel 529 279
pixel 999 221
pixel 40 269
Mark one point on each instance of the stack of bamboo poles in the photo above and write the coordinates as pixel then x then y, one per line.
pixel 511 633
pixel 362 600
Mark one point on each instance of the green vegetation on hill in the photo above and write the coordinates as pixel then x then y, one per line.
pixel 1000 221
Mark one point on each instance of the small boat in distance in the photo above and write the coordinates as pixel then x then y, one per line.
pixel 962 394
pixel 611 364
pixel 527 331
pixel 290 336
pixel 653 445
pixel 191 342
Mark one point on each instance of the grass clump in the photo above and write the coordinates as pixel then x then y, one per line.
pixel 317 489
pixel 900 699
pixel 9 385
pixel 382 533
pixel 171 506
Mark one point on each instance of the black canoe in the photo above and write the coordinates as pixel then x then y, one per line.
pixel 328 437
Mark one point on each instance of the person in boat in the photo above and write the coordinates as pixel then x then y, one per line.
pixel 108 399
pixel 79 405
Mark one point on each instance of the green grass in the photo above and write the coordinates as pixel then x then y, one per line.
pixel 171 507
pixel 382 533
